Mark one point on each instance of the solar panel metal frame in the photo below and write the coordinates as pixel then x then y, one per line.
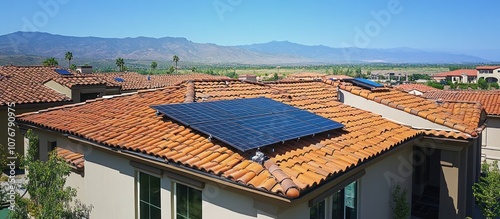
pixel 249 123
pixel 364 83
pixel 62 71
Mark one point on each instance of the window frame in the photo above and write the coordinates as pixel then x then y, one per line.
pixel 174 196
pixel 138 191
pixel 329 201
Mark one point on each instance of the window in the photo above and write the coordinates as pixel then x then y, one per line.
pixel 149 196
pixel 51 146
pixel 187 202
pixel 343 204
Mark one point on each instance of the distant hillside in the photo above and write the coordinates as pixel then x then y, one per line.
pixel 23 48
pixel 329 54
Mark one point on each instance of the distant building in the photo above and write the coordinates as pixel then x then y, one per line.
pixel 489 73
pixel 415 89
pixel 305 76
pixel 84 69
pixel 457 76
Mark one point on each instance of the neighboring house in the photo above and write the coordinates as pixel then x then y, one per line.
pixel 457 76
pixel 491 103
pixel 489 73
pixel 415 89
pixel 457 149
pixel 32 88
pixel 336 77
pixel 139 163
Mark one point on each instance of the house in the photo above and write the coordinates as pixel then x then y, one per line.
pixel 153 164
pixel 32 88
pixel 452 160
pixel 305 76
pixel 489 73
pixel 457 76
pixel 491 103
pixel 415 89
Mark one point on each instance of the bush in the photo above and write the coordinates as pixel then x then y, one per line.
pixel 494 85
pixel 435 84
pixel 481 83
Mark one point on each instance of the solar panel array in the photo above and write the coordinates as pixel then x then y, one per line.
pixel 118 79
pixel 63 72
pixel 247 124
pixel 364 83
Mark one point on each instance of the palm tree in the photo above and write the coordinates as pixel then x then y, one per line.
pixel 50 62
pixel 153 65
pixel 176 59
pixel 68 57
pixel 120 63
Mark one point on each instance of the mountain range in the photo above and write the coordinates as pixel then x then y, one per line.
pixel 21 48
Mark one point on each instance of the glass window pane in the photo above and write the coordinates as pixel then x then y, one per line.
pixel 144 187
pixel 351 200
pixel 318 211
pixel 155 191
pixel 338 205
pixel 155 212
pixel 195 203
pixel 181 200
pixel 144 209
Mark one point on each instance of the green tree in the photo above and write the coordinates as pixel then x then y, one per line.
pixel 481 83
pixel 275 77
pixel 494 85
pixel 487 190
pixel 170 70
pixel 176 59
pixel 49 198
pixel 400 205
pixel 120 63
pixel 154 65
pixel 50 62
pixel 72 67
pixel 68 56
pixel 193 69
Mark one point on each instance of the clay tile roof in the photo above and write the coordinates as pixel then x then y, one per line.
pixel 79 80
pixel 490 100
pixel 459 72
pixel 455 116
pixel 420 87
pixel 74 159
pixel 136 81
pixel 487 67
pixel 24 84
pixel 127 122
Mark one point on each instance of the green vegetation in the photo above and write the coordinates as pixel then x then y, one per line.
pixel 154 65
pixel 400 206
pixel 49 198
pixel 50 62
pixel 487 190
pixel 435 84
pixel 176 59
pixel 120 63
pixel 68 56
pixel 170 70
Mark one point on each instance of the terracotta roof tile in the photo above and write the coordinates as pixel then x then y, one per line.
pixel 462 117
pixel 128 122
pixel 458 72
pixel 490 100
pixel 75 159
pixel 420 87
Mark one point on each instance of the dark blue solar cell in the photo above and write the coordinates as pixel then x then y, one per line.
pixel 118 79
pixel 247 124
pixel 364 83
pixel 63 72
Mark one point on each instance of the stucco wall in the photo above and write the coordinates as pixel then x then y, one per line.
pixel 396 115
pixel 491 139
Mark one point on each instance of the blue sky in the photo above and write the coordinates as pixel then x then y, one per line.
pixel 447 25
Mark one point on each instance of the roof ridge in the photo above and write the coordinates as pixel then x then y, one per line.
pixel 290 189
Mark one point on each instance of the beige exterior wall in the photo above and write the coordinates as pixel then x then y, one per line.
pixel 491 139
pixel 390 113
pixel 58 87
pixel 495 74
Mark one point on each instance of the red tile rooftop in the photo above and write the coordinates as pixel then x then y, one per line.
pixel 490 100
pixel 127 122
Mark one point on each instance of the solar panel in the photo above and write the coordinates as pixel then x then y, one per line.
pixel 364 83
pixel 63 71
pixel 247 124
pixel 118 79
